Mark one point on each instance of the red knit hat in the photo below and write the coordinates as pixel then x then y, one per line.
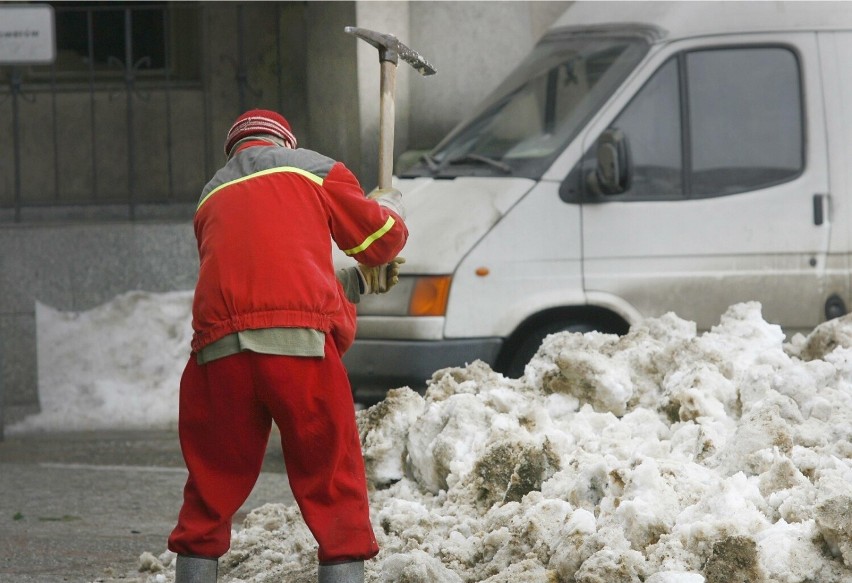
pixel 259 122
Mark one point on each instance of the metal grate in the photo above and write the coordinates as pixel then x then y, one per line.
pixel 116 123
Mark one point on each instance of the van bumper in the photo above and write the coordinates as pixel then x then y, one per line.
pixel 375 366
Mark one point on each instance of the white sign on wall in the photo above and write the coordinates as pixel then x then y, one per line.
pixel 27 34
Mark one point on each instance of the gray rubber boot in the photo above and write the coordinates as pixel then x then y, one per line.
pixel 342 573
pixel 195 570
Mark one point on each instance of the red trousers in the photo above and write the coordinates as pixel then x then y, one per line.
pixel 226 411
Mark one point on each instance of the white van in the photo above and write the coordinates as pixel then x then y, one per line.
pixel 646 157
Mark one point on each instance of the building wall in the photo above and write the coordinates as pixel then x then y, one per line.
pixel 294 57
pixel 76 267
pixel 332 96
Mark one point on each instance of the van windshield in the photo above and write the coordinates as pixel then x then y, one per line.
pixel 531 117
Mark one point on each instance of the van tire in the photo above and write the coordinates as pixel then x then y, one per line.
pixel 519 351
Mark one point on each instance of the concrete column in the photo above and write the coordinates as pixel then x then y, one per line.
pixel 332 81
pixel 2 359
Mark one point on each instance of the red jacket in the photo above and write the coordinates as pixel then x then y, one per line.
pixel 265 225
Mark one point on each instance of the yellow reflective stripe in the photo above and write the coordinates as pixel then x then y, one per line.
pixel 305 173
pixel 369 240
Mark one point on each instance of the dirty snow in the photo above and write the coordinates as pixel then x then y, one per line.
pixel 664 456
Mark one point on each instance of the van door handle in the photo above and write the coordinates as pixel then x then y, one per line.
pixel 819 208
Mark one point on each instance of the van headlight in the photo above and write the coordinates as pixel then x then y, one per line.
pixel 424 295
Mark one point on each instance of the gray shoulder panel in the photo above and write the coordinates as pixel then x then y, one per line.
pixel 308 160
pixel 257 159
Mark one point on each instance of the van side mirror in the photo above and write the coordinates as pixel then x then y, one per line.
pixel 612 168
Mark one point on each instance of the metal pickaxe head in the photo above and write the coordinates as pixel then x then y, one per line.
pixel 390 49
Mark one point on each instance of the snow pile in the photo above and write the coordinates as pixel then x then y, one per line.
pixel 115 366
pixel 663 456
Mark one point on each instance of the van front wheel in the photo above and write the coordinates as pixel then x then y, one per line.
pixel 520 350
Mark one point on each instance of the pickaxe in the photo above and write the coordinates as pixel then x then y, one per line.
pixel 390 51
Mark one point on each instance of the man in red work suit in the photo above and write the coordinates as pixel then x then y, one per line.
pixel 271 319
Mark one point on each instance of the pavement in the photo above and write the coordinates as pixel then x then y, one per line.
pixel 82 507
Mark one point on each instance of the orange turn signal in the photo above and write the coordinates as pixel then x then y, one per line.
pixel 430 295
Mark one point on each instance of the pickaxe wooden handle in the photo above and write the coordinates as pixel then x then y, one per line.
pixel 390 51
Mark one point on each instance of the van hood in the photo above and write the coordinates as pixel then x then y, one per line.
pixel 446 218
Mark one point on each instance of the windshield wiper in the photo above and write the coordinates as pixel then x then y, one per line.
pixel 484 159
pixel 430 162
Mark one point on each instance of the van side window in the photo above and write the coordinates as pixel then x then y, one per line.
pixel 745 118
pixel 652 126
pixel 711 122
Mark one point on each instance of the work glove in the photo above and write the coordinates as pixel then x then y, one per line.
pixel 390 198
pixel 380 279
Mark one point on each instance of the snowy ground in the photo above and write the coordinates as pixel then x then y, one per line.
pixel 663 456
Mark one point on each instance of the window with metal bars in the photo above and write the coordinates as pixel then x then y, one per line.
pixel 107 41
pixel 115 123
